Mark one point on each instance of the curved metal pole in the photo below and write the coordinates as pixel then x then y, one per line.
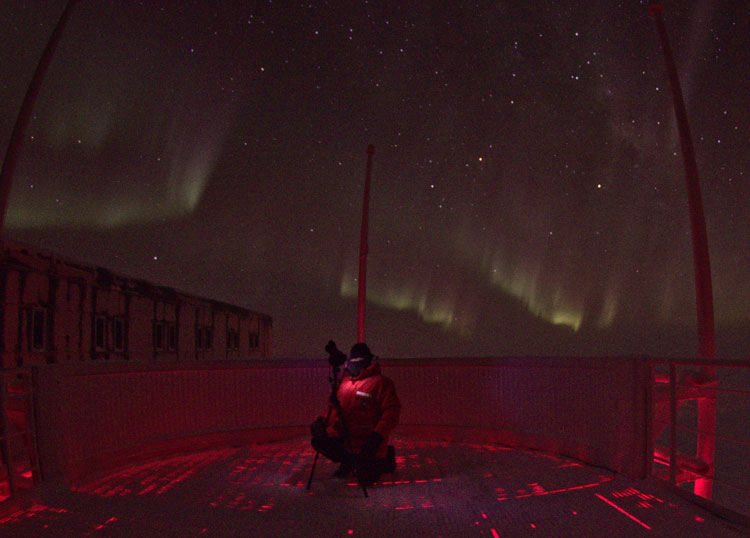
pixel 24 114
pixel 363 249
pixel 705 450
pixel 701 261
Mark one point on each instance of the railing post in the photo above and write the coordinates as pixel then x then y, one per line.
pixel 672 423
pixel 5 433
pixel 706 442
pixel 650 441
pixel 36 470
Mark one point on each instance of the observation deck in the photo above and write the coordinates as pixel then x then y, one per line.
pixel 487 447
pixel 440 489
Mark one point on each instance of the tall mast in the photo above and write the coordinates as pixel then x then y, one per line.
pixel 363 249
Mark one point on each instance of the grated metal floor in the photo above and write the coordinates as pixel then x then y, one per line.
pixel 439 490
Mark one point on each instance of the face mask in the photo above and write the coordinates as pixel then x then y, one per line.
pixel 356 365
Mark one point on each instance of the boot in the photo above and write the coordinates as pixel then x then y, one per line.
pixel 367 475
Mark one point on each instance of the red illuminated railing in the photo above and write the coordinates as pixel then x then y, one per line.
pixel 634 416
pixel 99 415
pixel 699 440
pixel 18 454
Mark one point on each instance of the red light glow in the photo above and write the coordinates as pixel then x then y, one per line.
pixel 631 516
pixel 103 525
pixel 263 484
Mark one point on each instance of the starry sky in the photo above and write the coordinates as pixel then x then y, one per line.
pixel 528 193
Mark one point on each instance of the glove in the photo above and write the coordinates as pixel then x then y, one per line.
pixel 371 446
pixel 318 428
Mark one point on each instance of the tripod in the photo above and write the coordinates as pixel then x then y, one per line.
pixel 336 359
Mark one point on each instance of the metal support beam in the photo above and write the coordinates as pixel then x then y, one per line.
pixel 24 114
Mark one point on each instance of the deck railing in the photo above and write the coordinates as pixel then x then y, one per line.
pixel 699 435
pixel 96 415
pixel 681 421
pixel 18 449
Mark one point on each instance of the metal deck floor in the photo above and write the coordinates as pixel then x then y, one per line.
pixel 439 490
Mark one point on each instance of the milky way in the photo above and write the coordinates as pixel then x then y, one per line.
pixel 528 194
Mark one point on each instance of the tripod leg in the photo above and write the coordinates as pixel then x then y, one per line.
pixel 357 474
pixel 312 471
pixel 317 452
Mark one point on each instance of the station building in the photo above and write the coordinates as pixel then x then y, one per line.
pixel 54 310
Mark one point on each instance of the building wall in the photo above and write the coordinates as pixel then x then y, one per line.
pixel 54 310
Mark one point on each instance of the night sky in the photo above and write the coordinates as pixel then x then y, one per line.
pixel 528 193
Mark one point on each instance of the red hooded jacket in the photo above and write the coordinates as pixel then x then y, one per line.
pixel 368 403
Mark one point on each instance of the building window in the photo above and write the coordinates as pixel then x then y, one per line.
pixel 159 330
pixel 203 337
pixel 254 340
pixel 100 333
pixel 207 337
pixel 233 339
pixel 118 329
pixel 172 337
pixel 38 329
pixel 165 336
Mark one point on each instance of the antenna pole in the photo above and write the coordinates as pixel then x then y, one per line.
pixel 363 249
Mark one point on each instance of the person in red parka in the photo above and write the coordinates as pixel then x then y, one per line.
pixel 361 421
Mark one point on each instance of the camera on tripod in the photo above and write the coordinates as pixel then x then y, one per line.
pixel 336 357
